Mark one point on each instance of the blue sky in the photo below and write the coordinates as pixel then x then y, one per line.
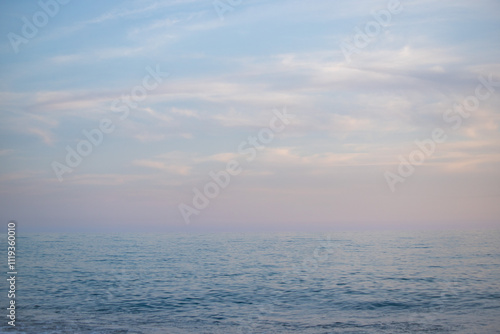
pixel 326 170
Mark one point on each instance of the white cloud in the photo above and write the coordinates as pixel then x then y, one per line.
pixel 174 169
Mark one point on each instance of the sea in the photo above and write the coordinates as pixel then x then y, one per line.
pixel 339 282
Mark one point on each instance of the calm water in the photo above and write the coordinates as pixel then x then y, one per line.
pixel 437 282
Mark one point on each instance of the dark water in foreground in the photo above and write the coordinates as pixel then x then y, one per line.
pixel 412 282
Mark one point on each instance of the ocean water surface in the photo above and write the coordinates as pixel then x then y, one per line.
pixel 343 282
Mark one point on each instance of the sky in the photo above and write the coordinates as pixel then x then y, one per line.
pixel 200 115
